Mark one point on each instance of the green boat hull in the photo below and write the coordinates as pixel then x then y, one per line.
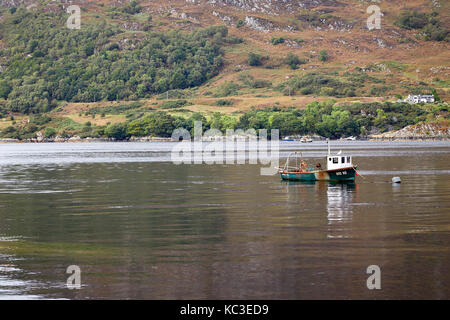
pixel 339 175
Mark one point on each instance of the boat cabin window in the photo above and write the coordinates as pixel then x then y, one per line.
pixel 335 160
pixel 348 160
pixel 343 160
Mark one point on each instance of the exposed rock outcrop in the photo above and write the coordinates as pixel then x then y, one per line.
pixel 272 7
pixel 434 130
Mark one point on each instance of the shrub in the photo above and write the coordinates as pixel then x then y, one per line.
pixel 257 84
pixel 412 20
pixel 115 109
pixel 306 91
pixel 40 119
pixel 233 39
pixel 429 24
pixel 227 89
pixel 436 95
pixel 349 92
pixel 173 104
pixel 323 55
pixel 435 32
pixel 250 81
pixel 277 40
pixel 49 132
pixel 63 134
pixel 292 60
pixel 326 91
pixel 132 8
pixel 254 59
pixel 224 102
pixel 312 83
pixel 379 91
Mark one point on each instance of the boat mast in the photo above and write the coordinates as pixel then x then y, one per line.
pixel 328 143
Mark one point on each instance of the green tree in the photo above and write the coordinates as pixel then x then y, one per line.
pixel 288 123
pixel 5 89
pixel 254 59
pixel 117 131
pixel 292 60
pixel 136 128
pixel 49 132
pixel 132 8
pixel 160 124
pixel 259 120
pixel 436 95
pixel 381 119
pixel 227 89
pixel 323 55
pixel 328 126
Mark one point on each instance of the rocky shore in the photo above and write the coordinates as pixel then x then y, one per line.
pixel 422 131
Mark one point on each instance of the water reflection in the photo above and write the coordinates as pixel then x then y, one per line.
pixel 340 198
pixel 12 287
pixel 339 201
pixel 339 208
pixel 158 231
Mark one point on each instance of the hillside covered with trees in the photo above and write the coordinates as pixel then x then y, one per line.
pixel 137 69
pixel 49 63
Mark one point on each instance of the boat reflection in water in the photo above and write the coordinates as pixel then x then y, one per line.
pixel 340 198
pixel 340 208
pixel 339 202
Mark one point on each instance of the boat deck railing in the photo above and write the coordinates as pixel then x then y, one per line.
pixel 297 170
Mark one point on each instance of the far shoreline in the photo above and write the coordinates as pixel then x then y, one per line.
pixel 159 139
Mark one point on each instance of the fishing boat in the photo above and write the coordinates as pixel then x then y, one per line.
pixel 339 168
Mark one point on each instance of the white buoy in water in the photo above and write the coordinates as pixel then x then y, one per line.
pixel 396 180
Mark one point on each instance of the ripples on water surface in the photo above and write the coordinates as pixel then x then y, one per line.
pixel 141 227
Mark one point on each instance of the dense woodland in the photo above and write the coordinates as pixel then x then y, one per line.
pixel 326 119
pixel 48 62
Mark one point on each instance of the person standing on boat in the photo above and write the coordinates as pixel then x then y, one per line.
pixel 303 166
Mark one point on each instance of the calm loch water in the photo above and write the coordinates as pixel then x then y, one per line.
pixel 140 227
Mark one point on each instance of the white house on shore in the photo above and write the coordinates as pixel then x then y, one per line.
pixel 420 99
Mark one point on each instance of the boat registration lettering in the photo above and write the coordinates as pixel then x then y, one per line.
pixel 343 173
